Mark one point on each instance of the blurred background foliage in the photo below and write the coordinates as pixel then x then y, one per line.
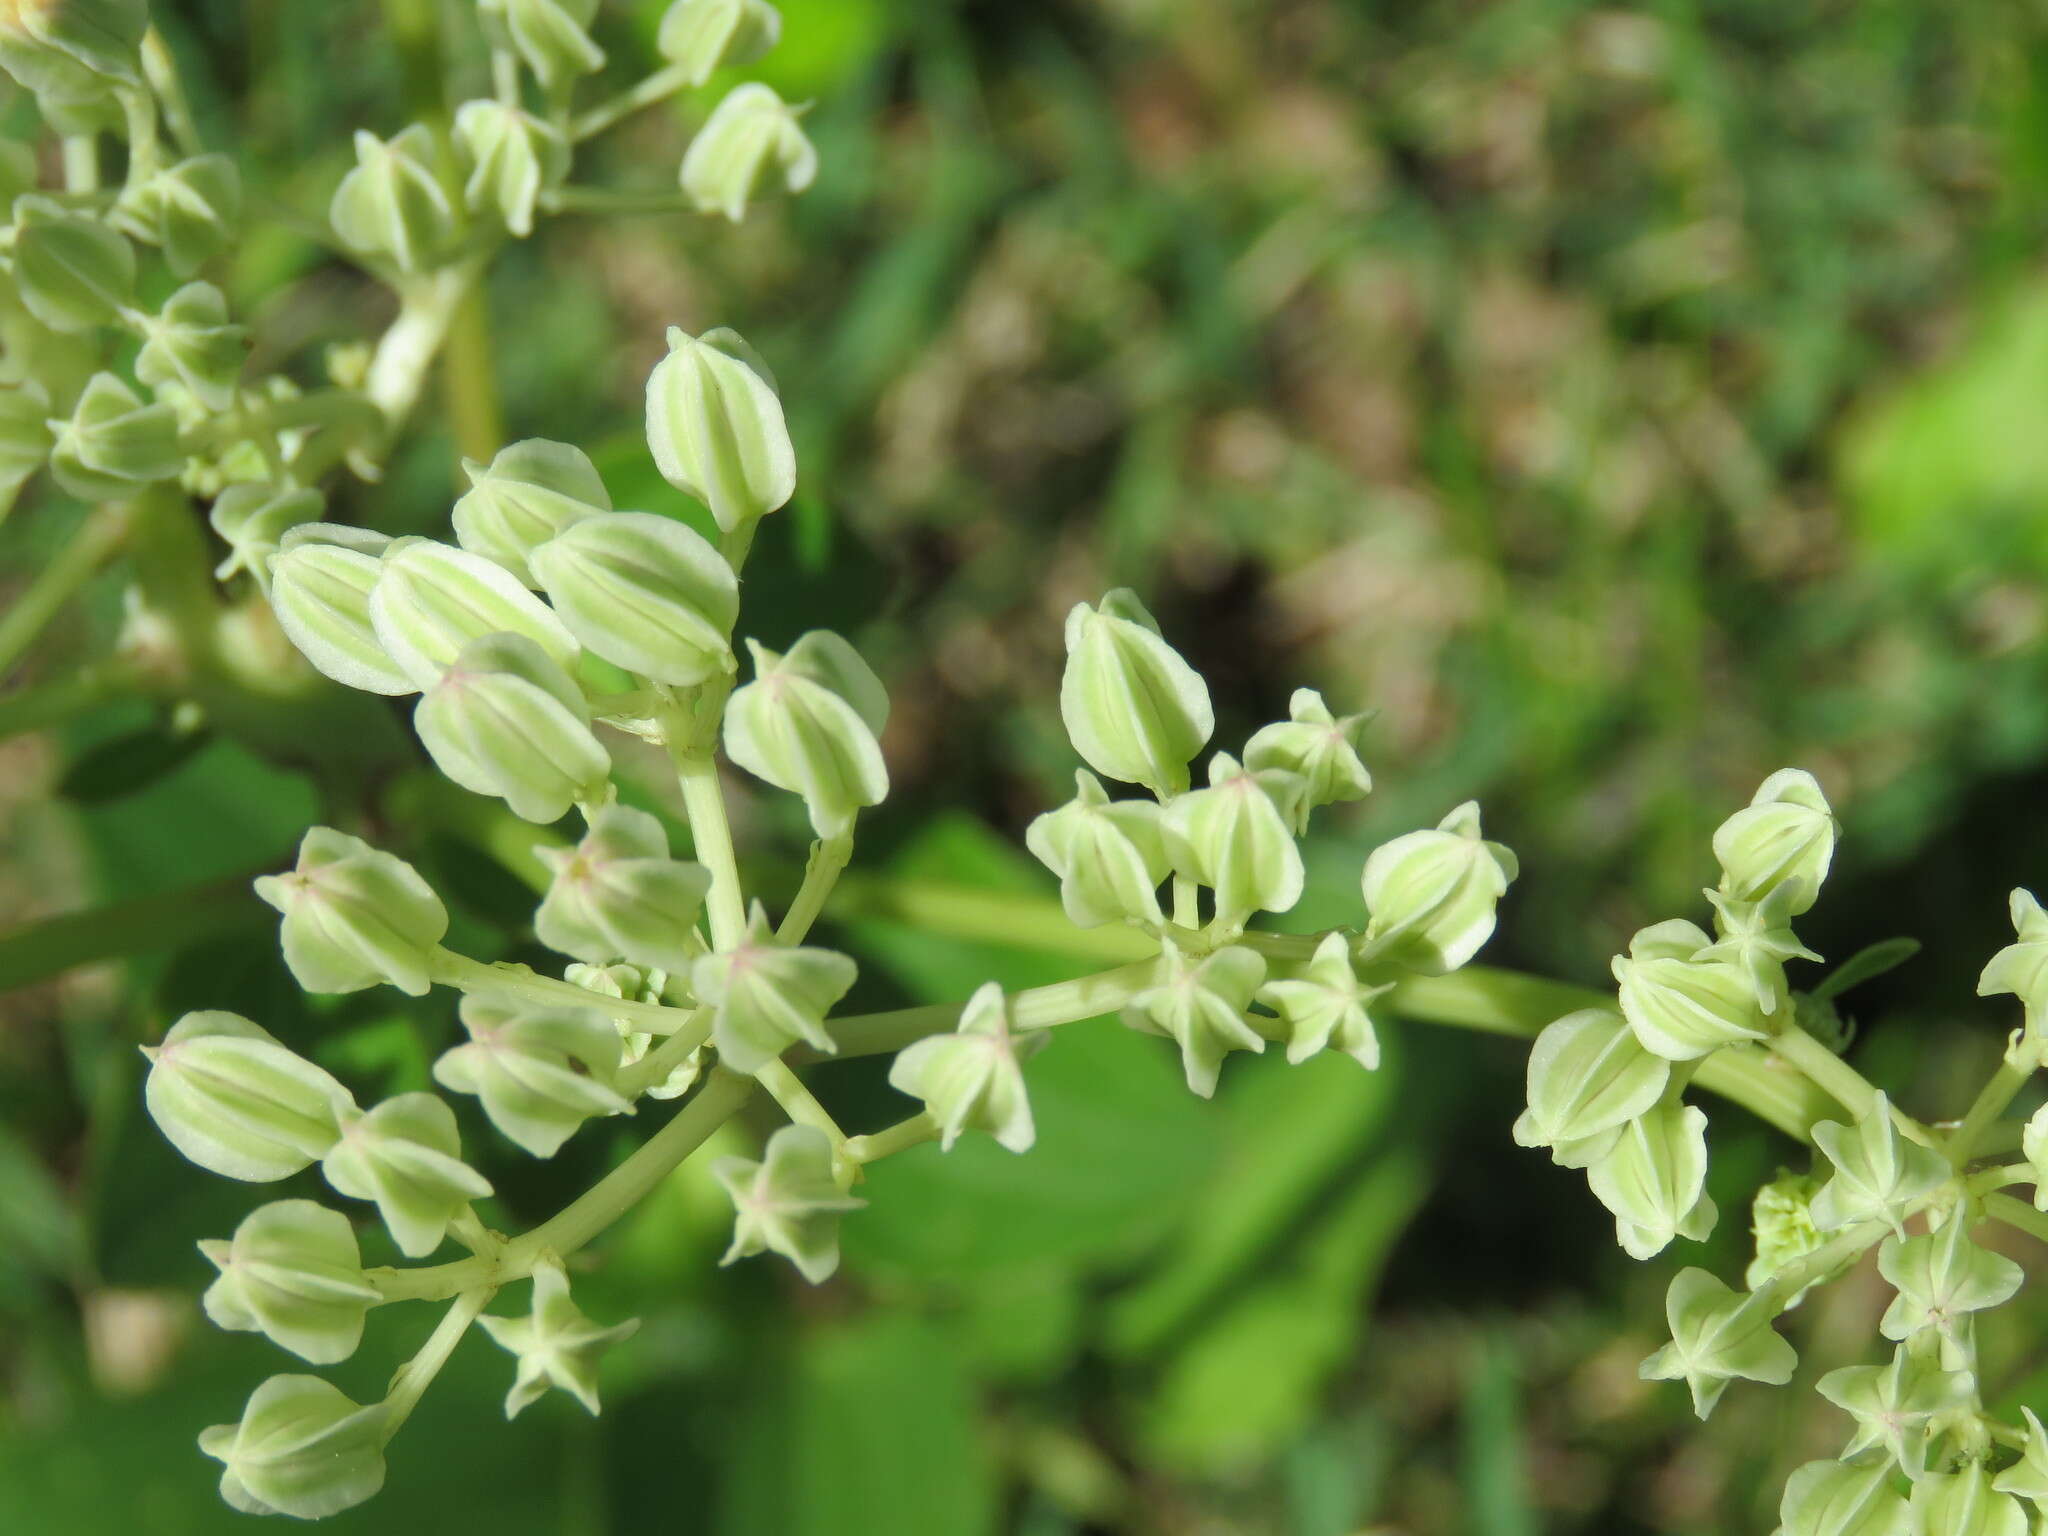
pixel 1623 400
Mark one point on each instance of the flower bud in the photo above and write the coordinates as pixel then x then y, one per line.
pixel 1964 1503
pixel 1717 1336
pixel 540 1072
pixel 301 1449
pixel 619 896
pixel 2027 1477
pixel 750 145
pixel 512 155
pixel 1317 748
pixel 1899 1407
pixel 25 437
pixel 705 36
pixel 229 1096
pixel 1200 1003
pixel 1941 1277
pixel 253 517
pixel 105 36
pixel 1781 1220
pixel 406 1155
pixel 2021 968
pixel 395 203
pixel 2034 1147
pixel 1432 895
pixel 549 35
pixel 1587 1074
pixel 526 495
pixel 114 443
pixel 809 723
pixel 644 592
pixel 556 1345
pixel 1758 937
pixel 292 1273
pixel 72 99
pixel 1654 1178
pixel 632 983
pixel 1325 1006
pixel 716 428
pixel 1110 855
pixel 72 271
pixel 1832 1498
pixel 189 342
pixel 1234 838
pixel 1879 1174
pixel 974 1077
pixel 765 996
pixel 190 209
pixel 1679 1006
pixel 788 1203
pixel 504 720
pixel 1133 709
pixel 430 600
pixel 355 916
pixel 321 595
pixel 1786 833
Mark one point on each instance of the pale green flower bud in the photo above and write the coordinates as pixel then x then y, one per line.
pixel 764 997
pixel 1200 1004
pixel 1433 895
pixel 431 600
pixel 540 1072
pixel 396 203
pixel 72 271
pixel 253 518
pixel 645 592
pixel 1234 838
pixel 549 35
pixel 1781 1220
pixel 406 1155
pixel 716 429
pixel 1829 1498
pixel 556 1345
pixel 1718 1336
pixel 619 896
pixel 633 983
pixel 2021 968
pixel 1133 709
pixel 788 1203
pixel 71 98
pixel 1787 833
pixel 751 145
pixel 190 343
pixel 1325 1006
pixel 113 443
pixel 292 1273
pixel 1941 1278
pixel 512 156
pixel 301 1449
pixel 525 496
pixel 1879 1174
pixel 321 595
pixel 2034 1146
pixel 2027 1477
pixel 1110 855
pixel 25 437
pixel 504 720
pixel 1318 748
pixel 355 916
pixel 1757 935
pixel 1898 1407
pixel 229 1096
pixel 190 209
pixel 105 36
pixel 705 36
pixel 1680 1006
pixel 973 1079
pixel 1654 1179
pixel 1587 1075
pixel 809 723
pixel 1964 1503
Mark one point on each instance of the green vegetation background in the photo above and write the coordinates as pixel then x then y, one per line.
pixel 1624 400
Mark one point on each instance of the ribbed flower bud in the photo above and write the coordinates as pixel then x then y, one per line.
pixel 190 343
pixel 320 592
pixel 2021 968
pixel 716 429
pixel 301 1449
pixel 1133 709
pixel 1787 833
pixel 2027 1477
pixel 396 203
pixel 25 437
pixel 617 895
pixel 1432 895
pixel 1587 1075
pixel 526 495
pixel 1234 837
pixel 113 443
pixel 73 272
pixel 705 36
pixel 406 1155
pixel 105 36
pixel 1200 1004
pixel 355 916
pixel 549 35
pixel 973 1079
pixel 232 1098
pixel 1318 748
pixel 810 723
pixel 750 147
pixel 71 98
pixel 1682 1007
pixel 512 156
pixel 253 518
pixel 431 600
pixel 1718 1336
pixel 764 996
pixel 1325 1007
pixel 504 720
pixel 1110 855
pixel 1878 1175
pixel 190 209
pixel 787 1203
pixel 1964 1503
pixel 539 1072
pixel 1832 1498
pixel 1654 1179
pixel 556 1345
pixel 292 1273
pixel 644 592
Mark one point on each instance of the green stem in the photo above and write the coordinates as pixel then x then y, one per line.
pixel 658 1063
pixel 344 410
pixel 656 88
pixel 1991 1101
pixel 797 1101
pixel 63 698
pixel 1063 1002
pixel 2017 1213
pixel 599 200
pixel 996 917
pixel 469 382
pixel 828 859
pixel 81 153
pixel 704 804
pixel 104 531
pixel 406 351
pixel 476 978
pixel 418 1373
pixel 141 926
pixel 161 71
pixel 904 1134
pixel 1834 1076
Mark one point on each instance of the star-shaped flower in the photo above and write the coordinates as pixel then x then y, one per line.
pixel 1895 1405
pixel 1718 1335
pixel 1200 1004
pixel 974 1077
pixel 556 1344
pixel 1758 936
pixel 787 1203
pixel 1326 1006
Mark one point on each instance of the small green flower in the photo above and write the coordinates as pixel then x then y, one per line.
pixel 252 518
pixel 974 1077
pixel 25 437
pixel 1681 1006
pixel 1879 1174
pixel 430 600
pixel 355 916
pixel 810 722
pixel 1318 748
pixel 301 1449
pixel 526 495
pixel 549 36
pixel 1898 1408
pixel 1827 1498
pixel 1757 936
pixel 105 36
pixel 292 1273
pixel 1965 1503
pixel 633 984
pixel 190 343
pixel 2021 968
pixel 752 145
pixel 1587 1075
pixel 1134 710
pixel 1234 838
pixel 406 1155
pixel 765 996
pixel 229 1096
pixel 1433 895
pixel 1942 1277
pixel 1654 1179
pixel 512 157
pixel 73 272
pixel 1781 1220
pixel 788 1203
pixel 1325 1006
pixel 1199 1003
pixel 2027 1477
pixel 396 202
pixel 320 592
pixel 705 36
pixel 1110 855
pixel 1718 1336
pixel 644 592
pixel 190 209
pixel 617 895
pixel 504 720
pixel 716 428
pixel 556 1345
pixel 112 444
pixel 1786 834
pixel 539 1072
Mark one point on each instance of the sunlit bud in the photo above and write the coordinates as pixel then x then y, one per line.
pixel 396 202
pixel 1879 1174
pixel 809 723
pixel 235 1101
pixel 705 36
pixel 1199 1004
pixel 973 1079
pixel 549 35
pixel 321 594
pixel 71 98
pixel 2021 968
pixel 504 720
pixel 189 342
pixel 1941 1278
pixel 292 1273
pixel 431 600
pixel 1318 748
pixel 1654 1179
pixel 539 1072
pixel 525 496
pixel 103 35
pixel 406 1155
pixel 1110 855
pixel 72 271
pixel 1786 833
pixel 190 209
pixel 617 895
pixel 355 916
pixel 645 592
pixel 1897 1406
pixel 1757 936
pixel 253 518
pixel 764 997
pixel 25 437
pixel 1964 1503
pixel 750 147
pixel 716 429
pixel 1325 1006
pixel 114 443
pixel 1832 1498
pixel 1717 1336
pixel 1781 1221
pixel 556 1345
pixel 1234 837
pixel 1433 895
pixel 1680 1006
pixel 788 1203
pixel 1587 1075
pixel 633 983
pixel 2027 1477
pixel 512 155
pixel 1133 709
pixel 301 1449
